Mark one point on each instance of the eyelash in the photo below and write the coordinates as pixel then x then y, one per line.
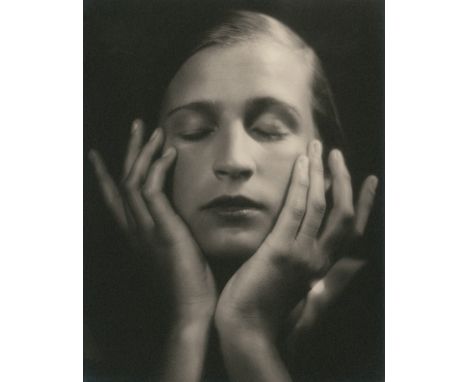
pixel 269 135
pixel 196 135
pixel 199 135
pixel 264 132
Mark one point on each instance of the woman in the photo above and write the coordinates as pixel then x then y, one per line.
pixel 226 201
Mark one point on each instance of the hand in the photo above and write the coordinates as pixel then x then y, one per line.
pixel 145 214
pixel 143 211
pixel 258 298
pixel 324 291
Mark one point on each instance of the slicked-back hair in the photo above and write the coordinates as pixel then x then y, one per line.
pixel 240 26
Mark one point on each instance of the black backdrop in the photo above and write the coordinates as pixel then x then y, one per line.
pixel 131 49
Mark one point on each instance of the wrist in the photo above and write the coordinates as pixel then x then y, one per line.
pixel 251 354
pixel 186 319
pixel 185 349
pixel 186 330
pixel 234 324
pixel 190 314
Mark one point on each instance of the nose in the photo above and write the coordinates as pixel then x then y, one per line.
pixel 234 160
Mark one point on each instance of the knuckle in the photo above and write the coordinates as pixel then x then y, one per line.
pixel 303 183
pixel 297 212
pixel 342 175
pixel 128 185
pixel 279 252
pixel 319 206
pixel 318 167
pixel 346 176
pixel 311 228
pixel 159 199
pixel 356 234
pixel 147 192
pixel 278 249
pixel 156 202
pixel 290 256
pixel 112 196
pixel 319 265
pixel 291 260
pixel 157 167
pixel 347 216
pixel 281 256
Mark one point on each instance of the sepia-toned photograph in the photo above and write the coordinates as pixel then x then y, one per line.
pixel 234 190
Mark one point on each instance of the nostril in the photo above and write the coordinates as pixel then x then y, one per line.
pixel 245 173
pixel 240 174
pixel 234 173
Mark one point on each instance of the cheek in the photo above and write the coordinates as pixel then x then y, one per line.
pixel 188 175
pixel 274 165
pixel 275 169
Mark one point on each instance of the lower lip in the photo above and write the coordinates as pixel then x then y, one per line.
pixel 235 214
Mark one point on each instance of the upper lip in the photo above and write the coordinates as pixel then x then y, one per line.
pixel 236 201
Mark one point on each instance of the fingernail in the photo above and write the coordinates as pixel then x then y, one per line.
pixel 336 154
pixel 374 182
pixel 136 125
pixel 155 134
pixel 317 145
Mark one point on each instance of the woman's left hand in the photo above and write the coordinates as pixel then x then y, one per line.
pixel 262 293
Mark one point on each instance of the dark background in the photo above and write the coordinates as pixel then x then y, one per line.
pixel 131 50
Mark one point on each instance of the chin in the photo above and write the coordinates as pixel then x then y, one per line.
pixel 231 245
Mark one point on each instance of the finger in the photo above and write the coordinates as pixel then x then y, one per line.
pixel 365 203
pixel 129 216
pixel 341 216
pixel 295 314
pixel 134 181
pixel 134 145
pixel 157 173
pixel 316 204
pixel 325 291
pixel 294 208
pixel 133 149
pixel 153 193
pixel 140 167
pixel 109 190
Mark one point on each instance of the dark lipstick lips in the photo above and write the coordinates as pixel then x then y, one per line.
pixel 233 202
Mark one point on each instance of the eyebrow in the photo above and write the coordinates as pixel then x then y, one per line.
pixel 203 107
pixel 254 107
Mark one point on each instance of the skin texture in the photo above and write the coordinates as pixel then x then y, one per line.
pixel 164 243
pixel 234 145
pixel 260 295
pixel 239 155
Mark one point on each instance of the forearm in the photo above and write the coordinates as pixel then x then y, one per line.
pixel 185 351
pixel 250 355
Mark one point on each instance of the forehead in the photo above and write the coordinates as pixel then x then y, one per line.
pixel 231 75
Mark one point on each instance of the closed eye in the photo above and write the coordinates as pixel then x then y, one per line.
pixel 196 135
pixel 268 133
pixel 190 125
pixel 269 127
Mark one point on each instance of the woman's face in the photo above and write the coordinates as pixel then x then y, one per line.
pixel 238 116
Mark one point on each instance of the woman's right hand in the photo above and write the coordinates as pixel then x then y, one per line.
pixel 143 211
